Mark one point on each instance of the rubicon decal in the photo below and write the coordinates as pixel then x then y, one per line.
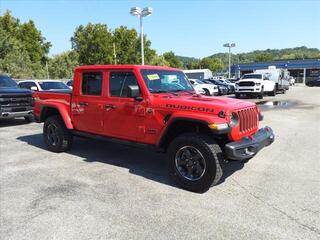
pixel 191 108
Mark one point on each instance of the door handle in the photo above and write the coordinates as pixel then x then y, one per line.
pixel 108 106
pixel 83 104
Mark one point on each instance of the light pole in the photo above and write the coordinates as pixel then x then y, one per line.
pixel 229 45
pixel 140 13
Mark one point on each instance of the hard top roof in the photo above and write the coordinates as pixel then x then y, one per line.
pixel 124 66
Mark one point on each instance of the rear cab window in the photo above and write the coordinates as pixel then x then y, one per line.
pixel 92 83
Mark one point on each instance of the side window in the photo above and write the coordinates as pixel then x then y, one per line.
pixel 119 83
pixel 22 85
pixel 92 83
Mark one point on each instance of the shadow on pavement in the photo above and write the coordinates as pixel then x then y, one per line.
pixel 139 161
pixel 12 122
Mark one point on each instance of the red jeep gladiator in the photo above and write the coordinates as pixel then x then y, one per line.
pixel 154 106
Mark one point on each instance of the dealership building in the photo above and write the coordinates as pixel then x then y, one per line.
pixel 302 70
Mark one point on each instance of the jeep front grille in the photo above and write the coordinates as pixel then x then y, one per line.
pixel 248 119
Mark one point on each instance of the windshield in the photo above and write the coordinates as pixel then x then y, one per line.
pixel 199 81
pixel 53 85
pixel 250 76
pixel 6 82
pixel 159 81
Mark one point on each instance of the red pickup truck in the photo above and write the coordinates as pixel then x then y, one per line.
pixel 158 107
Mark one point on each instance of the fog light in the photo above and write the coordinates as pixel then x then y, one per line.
pixel 219 127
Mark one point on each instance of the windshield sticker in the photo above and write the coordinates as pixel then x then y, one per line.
pixel 152 77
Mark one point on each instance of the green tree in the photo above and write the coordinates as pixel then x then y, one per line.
pixel 62 66
pixel 172 59
pixel 126 41
pixel 149 53
pixel 263 57
pixel 93 43
pixel 213 64
pixel 33 42
pixel 159 61
pixel 23 50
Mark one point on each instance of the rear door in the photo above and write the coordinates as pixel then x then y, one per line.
pixel 88 105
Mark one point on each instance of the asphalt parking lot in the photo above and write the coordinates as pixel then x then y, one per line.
pixel 102 190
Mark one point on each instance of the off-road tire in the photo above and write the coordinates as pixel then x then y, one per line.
pixel 64 137
pixel 211 153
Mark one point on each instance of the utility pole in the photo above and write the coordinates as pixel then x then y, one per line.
pixel 229 45
pixel 114 53
pixel 140 13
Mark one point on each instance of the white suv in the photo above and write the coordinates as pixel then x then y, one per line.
pixel 44 85
pixel 209 89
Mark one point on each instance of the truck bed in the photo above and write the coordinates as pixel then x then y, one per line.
pixel 49 98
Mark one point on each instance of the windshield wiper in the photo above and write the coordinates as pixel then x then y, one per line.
pixel 162 91
pixel 181 90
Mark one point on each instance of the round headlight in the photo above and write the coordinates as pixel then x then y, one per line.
pixel 234 120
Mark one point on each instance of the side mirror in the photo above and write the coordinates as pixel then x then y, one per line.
pixel 134 92
pixel 34 88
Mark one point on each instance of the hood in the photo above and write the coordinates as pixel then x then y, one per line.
pixel 203 104
pixel 14 90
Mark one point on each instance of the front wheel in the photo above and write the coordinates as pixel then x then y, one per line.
pixel 207 93
pixel 194 162
pixel 56 136
pixel 261 94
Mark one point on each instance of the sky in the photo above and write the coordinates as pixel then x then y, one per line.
pixel 194 28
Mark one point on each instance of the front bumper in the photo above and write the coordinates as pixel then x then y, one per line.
pixel 5 115
pixel 248 89
pixel 249 146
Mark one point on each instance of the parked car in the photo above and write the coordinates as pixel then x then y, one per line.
pixel 233 80
pixel 44 85
pixel 292 80
pixel 222 89
pixel 70 83
pixel 14 101
pixel 137 105
pixel 226 81
pixel 255 85
pixel 219 83
pixel 314 83
pixel 210 89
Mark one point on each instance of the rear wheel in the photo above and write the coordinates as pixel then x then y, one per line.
pixel 194 162
pixel 56 136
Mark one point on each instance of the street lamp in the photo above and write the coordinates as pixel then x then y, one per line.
pixel 140 13
pixel 229 45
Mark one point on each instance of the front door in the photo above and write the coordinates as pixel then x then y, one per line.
pixel 88 105
pixel 124 116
